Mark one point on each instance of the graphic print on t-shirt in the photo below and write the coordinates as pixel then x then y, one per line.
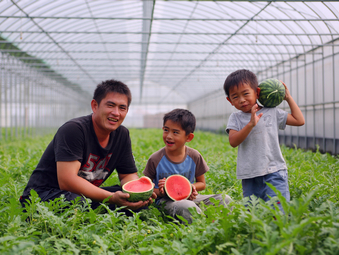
pixel 95 170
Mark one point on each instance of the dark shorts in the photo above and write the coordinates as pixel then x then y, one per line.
pixel 51 194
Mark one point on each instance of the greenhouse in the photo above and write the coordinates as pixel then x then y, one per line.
pixel 172 54
pixel 65 157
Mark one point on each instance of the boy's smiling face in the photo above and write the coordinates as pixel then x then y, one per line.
pixel 174 136
pixel 243 97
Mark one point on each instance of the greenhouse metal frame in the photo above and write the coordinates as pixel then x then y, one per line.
pixel 171 54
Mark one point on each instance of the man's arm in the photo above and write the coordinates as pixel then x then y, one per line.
pixel 127 177
pixel 69 180
pixel 237 137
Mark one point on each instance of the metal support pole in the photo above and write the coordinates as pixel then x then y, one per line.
pixel 323 99
pixel 2 71
pixel 305 109
pixel 334 149
pixel 297 96
pixel 6 104
pixel 313 85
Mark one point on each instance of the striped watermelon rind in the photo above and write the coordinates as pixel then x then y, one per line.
pixel 272 93
pixel 141 195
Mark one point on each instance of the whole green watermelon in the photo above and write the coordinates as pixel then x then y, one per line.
pixel 272 93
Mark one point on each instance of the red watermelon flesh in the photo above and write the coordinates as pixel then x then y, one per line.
pixel 178 187
pixel 140 185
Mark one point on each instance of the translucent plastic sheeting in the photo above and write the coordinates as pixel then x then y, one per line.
pixel 171 54
pixel 167 51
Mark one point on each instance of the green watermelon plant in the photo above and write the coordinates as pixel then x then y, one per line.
pixel 309 225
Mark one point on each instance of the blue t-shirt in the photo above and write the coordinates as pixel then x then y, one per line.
pixel 159 166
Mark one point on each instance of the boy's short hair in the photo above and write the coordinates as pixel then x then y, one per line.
pixel 240 77
pixel 108 86
pixel 184 117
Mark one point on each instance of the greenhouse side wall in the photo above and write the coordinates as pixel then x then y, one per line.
pixel 32 102
pixel 313 80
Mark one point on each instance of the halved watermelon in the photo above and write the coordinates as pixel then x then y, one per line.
pixel 272 93
pixel 178 187
pixel 139 190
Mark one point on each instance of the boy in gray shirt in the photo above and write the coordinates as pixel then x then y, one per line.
pixel 254 130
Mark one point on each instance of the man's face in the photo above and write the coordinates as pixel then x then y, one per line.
pixel 110 113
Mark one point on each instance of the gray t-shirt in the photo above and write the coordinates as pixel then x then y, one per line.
pixel 259 154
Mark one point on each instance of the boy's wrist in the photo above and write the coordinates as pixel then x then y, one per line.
pixel 289 98
pixel 250 125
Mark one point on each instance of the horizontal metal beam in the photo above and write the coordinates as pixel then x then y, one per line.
pixel 137 59
pixel 165 33
pixel 174 43
pixel 160 19
pixel 173 75
pixel 157 52
pixel 136 66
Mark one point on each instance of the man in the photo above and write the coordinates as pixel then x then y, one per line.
pixel 85 151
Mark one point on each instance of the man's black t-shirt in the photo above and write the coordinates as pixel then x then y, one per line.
pixel 76 140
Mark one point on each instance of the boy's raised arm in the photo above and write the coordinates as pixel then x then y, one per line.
pixel 295 118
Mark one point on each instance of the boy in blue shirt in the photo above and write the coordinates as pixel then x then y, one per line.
pixel 177 158
pixel 254 130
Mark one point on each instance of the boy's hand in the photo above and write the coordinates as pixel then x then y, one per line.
pixel 194 193
pixel 287 92
pixel 237 137
pixel 161 185
pixel 296 117
pixel 255 118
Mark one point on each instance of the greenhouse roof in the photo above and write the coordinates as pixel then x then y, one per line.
pixel 165 51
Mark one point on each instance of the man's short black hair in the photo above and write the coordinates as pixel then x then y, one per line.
pixel 240 77
pixel 108 86
pixel 184 117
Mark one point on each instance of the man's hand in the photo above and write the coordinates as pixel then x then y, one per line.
pixel 120 199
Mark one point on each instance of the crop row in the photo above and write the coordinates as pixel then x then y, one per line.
pixel 309 226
